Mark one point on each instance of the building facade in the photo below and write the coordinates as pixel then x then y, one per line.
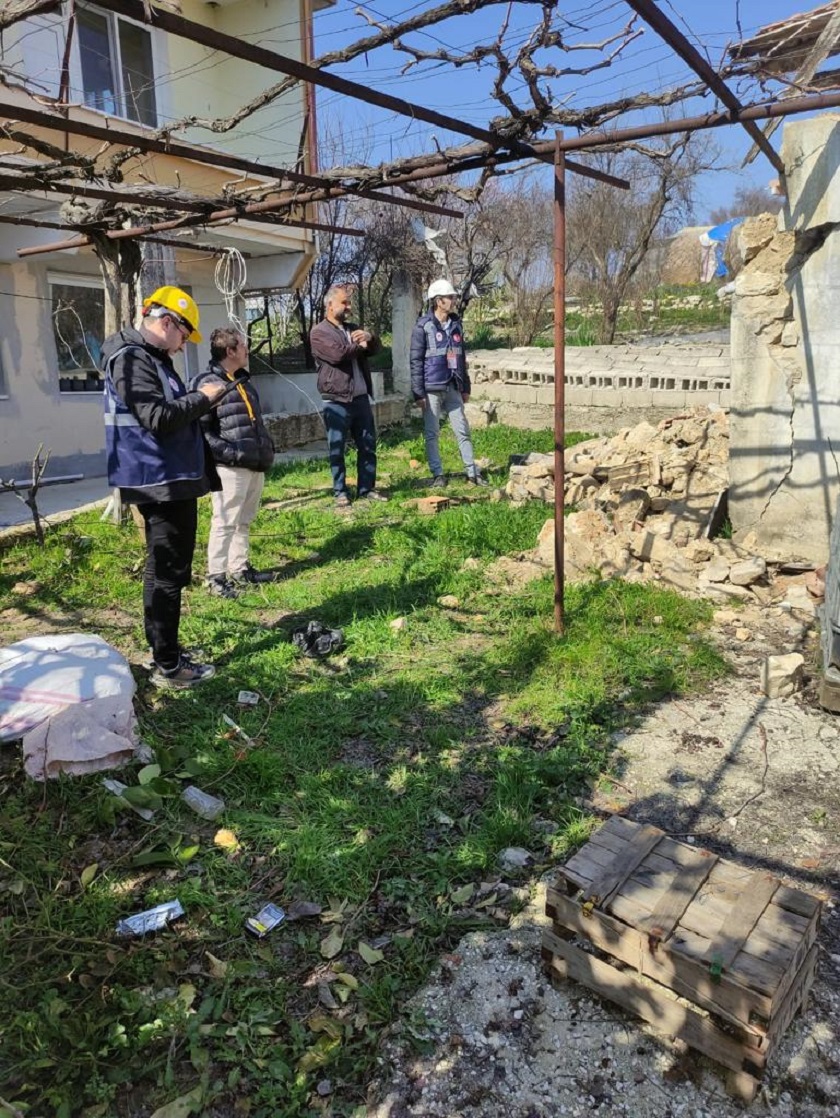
pixel 136 78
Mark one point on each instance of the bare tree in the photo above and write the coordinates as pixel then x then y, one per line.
pixel 749 201
pixel 616 230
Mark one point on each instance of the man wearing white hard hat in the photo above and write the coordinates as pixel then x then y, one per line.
pixel 440 382
pixel 156 458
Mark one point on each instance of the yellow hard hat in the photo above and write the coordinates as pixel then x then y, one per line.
pixel 180 303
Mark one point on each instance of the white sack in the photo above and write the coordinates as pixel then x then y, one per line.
pixel 77 673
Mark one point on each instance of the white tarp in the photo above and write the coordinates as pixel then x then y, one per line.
pixel 69 696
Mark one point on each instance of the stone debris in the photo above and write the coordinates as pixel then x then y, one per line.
pixel 515 857
pixel 480 415
pixel 781 676
pixel 429 506
pixel 645 502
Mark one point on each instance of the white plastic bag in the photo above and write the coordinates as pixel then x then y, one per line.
pixel 69 696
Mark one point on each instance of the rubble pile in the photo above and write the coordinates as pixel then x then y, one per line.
pixel 644 502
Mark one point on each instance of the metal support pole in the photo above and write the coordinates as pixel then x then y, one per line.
pixel 559 377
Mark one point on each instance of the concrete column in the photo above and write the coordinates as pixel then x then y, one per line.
pixel 406 304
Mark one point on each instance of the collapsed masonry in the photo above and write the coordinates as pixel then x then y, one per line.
pixel 646 502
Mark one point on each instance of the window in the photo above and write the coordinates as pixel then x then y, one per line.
pixel 117 72
pixel 78 321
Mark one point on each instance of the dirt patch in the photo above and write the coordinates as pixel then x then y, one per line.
pixel 757 781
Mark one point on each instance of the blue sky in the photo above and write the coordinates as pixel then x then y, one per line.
pixel 371 135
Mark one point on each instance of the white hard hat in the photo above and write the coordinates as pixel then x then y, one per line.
pixel 440 287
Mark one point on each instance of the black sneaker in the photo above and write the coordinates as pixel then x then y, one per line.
pixel 373 495
pixel 187 674
pixel 251 575
pixel 220 587
pixel 439 481
pixel 477 479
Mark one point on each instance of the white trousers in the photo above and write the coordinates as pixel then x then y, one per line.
pixel 233 510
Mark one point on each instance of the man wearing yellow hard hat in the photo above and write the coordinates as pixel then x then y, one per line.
pixel 157 459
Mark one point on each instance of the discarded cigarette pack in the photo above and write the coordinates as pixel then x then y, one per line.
pixel 248 698
pixel 203 804
pixel 152 920
pixel 266 920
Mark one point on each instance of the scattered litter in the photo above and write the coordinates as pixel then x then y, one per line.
pixel 316 640
pixel 235 726
pixel 152 920
pixel 203 804
pixel 247 698
pixel 516 857
pixel 267 919
pixel 398 623
pixel 117 788
pixel 144 754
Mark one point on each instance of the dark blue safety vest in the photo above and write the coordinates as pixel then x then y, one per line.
pixel 137 459
pixel 444 358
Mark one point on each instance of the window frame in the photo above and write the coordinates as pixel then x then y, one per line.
pixel 113 20
pixel 75 279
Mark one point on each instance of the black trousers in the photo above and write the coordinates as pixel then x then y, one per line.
pixel 170 543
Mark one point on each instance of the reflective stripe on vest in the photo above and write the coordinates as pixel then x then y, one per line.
pixel 136 458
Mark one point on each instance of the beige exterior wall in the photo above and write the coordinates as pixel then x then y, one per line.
pixel 190 80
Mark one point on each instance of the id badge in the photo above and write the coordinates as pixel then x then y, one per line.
pixel 452 359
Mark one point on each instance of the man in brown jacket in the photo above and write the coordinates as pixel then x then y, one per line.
pixel 341 350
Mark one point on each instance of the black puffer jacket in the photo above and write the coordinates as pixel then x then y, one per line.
pixel 235 431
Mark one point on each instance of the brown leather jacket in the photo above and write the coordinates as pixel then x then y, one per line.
pixel 334 354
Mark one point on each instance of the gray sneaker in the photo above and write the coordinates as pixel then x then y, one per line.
pixel 439 481
pixel 342 501
pixel 477 479
pixel 187 674
pixel 373 495
pixel 220 587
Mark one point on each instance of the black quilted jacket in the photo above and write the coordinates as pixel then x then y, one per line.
pixel 234 435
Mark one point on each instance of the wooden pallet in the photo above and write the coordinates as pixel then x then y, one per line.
pixel 661 918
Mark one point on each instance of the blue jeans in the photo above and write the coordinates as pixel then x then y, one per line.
pixel 356 419
pixel 447 400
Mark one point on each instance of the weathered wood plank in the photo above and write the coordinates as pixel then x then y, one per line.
pixel 789 922
pixel 650 1002
pixel 753 901
pixel 634 853
pixel 738 1004
pixel 794 900
pixel 749 971
pixel 680 893
pixel 795 998
pixel 790 976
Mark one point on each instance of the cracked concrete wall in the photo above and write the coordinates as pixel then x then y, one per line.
pixel 785 395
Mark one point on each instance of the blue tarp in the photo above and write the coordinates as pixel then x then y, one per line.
pixel 720 235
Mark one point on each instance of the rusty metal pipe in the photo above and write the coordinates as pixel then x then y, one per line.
pixel 559 380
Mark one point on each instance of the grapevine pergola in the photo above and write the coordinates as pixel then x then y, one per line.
pixel 772 75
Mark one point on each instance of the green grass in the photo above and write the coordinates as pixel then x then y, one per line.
pixel 382 786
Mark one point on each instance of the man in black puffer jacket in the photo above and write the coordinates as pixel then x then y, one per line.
pixel 242 450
